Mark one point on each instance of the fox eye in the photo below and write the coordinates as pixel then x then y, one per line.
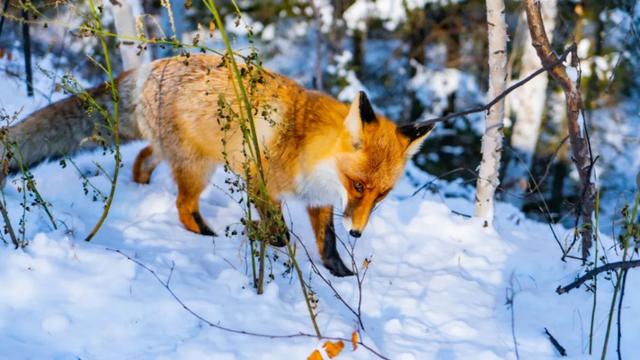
pixel 359 186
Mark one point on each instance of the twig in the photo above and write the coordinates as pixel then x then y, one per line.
pixel 167 287
pixel 555 343
pixel 7 225
pixel 624 284
pixel 623 265
pixel 502 95
pixel 595 266
pixel 328 282
pixel 510 300
pixel 113 123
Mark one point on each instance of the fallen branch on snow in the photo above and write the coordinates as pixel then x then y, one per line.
pixel 590 274
pixel 166 285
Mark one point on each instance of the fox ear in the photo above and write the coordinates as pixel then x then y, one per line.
pixel 360 113
pixel 416 133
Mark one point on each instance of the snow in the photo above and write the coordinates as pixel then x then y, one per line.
pixel 392 12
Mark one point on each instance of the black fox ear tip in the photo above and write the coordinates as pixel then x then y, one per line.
pixel 366 110
pixel 416 130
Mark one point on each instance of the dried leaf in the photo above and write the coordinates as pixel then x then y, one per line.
pixel 354 340
pixel 333 349
pixel 365 263
pixel 315 355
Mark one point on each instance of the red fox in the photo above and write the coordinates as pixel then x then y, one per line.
pixel 322 151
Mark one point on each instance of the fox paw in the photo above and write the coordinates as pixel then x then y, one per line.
pixel 337 267
pixel 203 228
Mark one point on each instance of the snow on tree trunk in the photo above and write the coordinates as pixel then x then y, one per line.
pixel 492 140
pixel 528 103
pixel 125 15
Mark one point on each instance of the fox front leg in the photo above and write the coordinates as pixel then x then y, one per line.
pixel 322 223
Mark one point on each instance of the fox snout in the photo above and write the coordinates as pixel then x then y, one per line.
pixel 356 215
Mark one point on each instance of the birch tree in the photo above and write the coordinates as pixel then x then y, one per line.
pixel 528 103
pixel 492 139
pixel 125 15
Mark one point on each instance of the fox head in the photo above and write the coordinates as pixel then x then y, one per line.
pixel 378 153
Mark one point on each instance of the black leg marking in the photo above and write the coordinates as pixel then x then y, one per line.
pixel 281 238
pixel 330 256
pixel 204 228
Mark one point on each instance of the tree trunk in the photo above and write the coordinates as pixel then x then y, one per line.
pixel 125 14
pixel 492 140
pixel 528 104
pixel 173 21
pixel 577 135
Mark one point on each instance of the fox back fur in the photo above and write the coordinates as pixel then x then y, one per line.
pixel 326 153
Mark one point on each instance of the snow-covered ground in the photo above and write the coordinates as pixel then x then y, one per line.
pixel 436 287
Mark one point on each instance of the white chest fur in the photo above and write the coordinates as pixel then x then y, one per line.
pixel 322 186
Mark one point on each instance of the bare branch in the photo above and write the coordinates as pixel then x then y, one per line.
pixel 167 287
pixel 502 95
pixel 590 274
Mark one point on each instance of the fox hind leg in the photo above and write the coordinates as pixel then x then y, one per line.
pixel 145 163
pixel 191 181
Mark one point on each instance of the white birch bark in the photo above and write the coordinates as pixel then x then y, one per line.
pixel 528 103
pixel 488 179
pixel 125 14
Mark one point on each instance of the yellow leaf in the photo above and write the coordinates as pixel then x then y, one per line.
pixel 315 355
pixel 333 349
pixel 365 263
pixel 354 340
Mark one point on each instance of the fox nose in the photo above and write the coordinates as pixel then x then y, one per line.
pixel 355 233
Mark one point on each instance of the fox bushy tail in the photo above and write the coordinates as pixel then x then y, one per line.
pixel 68 126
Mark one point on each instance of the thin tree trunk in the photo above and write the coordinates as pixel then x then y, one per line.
pixel 528 103
pixel 125 14
pixel 173 22
pixel 492 140
pixel 577 135
pixel 318 81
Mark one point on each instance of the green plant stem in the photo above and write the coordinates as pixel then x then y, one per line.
pixel 114 125
pixel 312 315
pixel 253 138
pixel 625 246
pixel 7 223
pixel 30 186
pixel 250 136
pixel 211 5
pixel 260 282
pixel 595 266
